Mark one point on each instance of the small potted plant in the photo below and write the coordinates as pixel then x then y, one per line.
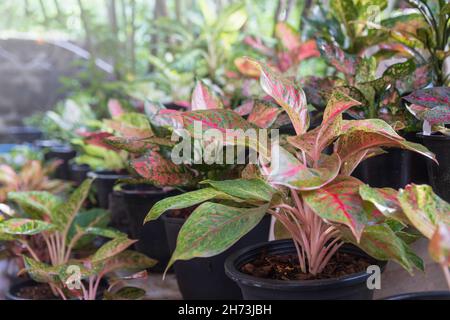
pixel 312 196
pixel 52 234
pixel 153 165
pixel 432 106
pixel 32 175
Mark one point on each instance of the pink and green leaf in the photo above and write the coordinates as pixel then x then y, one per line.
pixel 287 94
pixel 156 169
pixel 263 114
pixel 287 170
pixel 340 202
pixel 385 200
pixel 204 99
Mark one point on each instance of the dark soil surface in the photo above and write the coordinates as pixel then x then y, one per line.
pixel 40 291
pixel 286 267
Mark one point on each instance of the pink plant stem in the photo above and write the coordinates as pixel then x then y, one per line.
pixel 61 293
pixel 446 273
pixel 85 292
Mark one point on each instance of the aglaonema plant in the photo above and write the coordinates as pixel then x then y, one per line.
pixel 32 175
pixel 432 107
pixel 65 228
pixel 307 189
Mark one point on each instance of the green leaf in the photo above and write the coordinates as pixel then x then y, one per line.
pixel 105 232
pixel 125 293
pixel 128 260
pixel 84 220
pixel 253 189
pixel 212 228
pixel 66 212
pixel 184 200
pixel 112 248
pixel 18 226
pixel 36 204
pixel 41 272
pixel 424 209
pixel 380 242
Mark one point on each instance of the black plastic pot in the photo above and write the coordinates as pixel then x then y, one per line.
pixel 14 289
pixel 204 278
pixel 394 169
pixel 152 238
pixel 104 183
pixel 427 295
pixel 439 175
pixel 118 210
pixel 79 172
pixel 20 135
pixel 64 153
pixel 254 288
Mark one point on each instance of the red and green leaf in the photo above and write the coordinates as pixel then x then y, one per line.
pixel 263 114
pixel 340 202
pixel 338 58
pixel 430 98
pixel 156 169
pixel 287 94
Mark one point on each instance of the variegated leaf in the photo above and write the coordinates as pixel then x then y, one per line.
pixel 204 99
pixel 36 204
pixel 439 247
pixel 385 200
pixel 340 202
pixel 185 200
pixel 424 209
pixel 112 248
pixel 254 189
pixel 287 170
pixel 156 169
pixel 287 94
pixel 212 228
pixel 263 114
pixel 380 242
pixel 20 226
